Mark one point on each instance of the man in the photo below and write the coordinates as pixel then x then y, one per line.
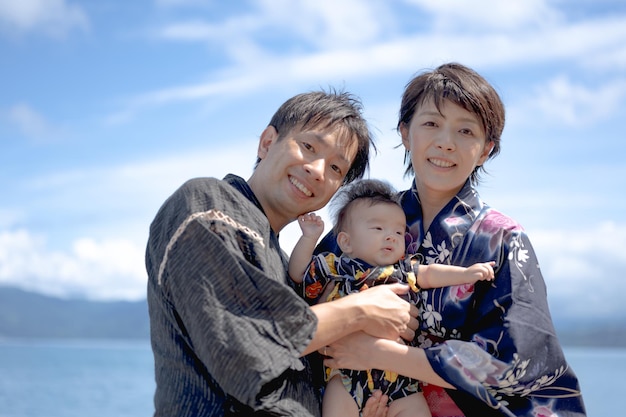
pixel 229 334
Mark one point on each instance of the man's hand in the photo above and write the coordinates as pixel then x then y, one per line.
pixel 385 314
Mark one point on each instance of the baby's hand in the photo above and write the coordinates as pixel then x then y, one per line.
pixel 482 271
pixel 311 225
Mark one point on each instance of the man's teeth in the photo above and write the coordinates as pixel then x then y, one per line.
pixel 300 187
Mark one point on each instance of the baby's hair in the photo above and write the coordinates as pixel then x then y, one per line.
pixel 367 191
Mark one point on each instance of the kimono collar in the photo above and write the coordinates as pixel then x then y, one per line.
pixel 242 186
pixel 454 219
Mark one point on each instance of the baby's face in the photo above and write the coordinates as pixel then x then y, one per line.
pixel 376 233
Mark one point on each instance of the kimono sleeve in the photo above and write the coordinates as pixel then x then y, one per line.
pixel 507 354
pixel 247 327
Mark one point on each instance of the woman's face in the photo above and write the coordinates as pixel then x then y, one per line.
pixel 445 148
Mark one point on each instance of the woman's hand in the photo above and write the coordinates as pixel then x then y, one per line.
pixel 356 351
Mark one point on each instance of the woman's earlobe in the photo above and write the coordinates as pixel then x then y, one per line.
pixel 404 134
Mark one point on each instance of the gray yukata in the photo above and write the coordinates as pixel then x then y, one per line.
pixel 227 329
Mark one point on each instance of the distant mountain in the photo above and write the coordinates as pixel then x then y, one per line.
pixel 30 315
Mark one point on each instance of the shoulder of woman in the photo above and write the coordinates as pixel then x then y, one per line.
pixel 494 219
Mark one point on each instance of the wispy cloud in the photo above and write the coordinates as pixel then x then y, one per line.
pixel 488 14
pixel 560 101
pixel 50 17
pixel 107 269
pixel 254 66
pixel 108 261
pixel 31 124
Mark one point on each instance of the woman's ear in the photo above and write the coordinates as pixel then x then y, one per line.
pixel 343 240
pixel 268 137
pixel 485 154
pixel 404 133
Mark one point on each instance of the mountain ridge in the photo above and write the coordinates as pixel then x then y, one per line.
pixel 25 314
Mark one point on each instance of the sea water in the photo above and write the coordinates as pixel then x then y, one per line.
pixel 116 378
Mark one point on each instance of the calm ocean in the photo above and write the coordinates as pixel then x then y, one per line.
pixel 115 379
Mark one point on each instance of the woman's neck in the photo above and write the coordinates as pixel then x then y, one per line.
pixel 432 203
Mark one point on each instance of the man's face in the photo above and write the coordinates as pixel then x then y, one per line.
pixel 300 172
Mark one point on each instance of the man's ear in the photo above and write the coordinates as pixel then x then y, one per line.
pixel 268 137
pixel 343 240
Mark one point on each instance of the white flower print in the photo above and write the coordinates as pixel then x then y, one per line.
pixel 432 317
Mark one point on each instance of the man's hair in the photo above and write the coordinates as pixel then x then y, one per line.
pixel 366 191
pixel 329 110
pixel 465 88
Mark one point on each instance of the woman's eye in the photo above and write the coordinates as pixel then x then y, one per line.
pixel 336 169
pixel 307 145
pixel 466 132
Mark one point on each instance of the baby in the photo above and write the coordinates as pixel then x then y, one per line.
pixel 370 226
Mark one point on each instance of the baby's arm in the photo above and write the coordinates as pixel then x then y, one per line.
pixel 438 275
pixel 312 227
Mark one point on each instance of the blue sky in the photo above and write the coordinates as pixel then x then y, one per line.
pixel 107 107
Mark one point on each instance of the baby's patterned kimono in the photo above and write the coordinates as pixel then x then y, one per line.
pixel 329 277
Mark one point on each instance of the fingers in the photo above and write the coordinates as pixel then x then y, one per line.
pixel 309 217
pixel 408 335
pixel 376 405
pixel 324 352
pixel 400 289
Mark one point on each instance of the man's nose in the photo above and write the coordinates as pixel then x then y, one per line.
pixel 316 168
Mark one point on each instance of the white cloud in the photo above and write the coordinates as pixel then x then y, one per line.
pixel 322 24
pixel 53 17
pixel 562 102
pixel 583 267
pixel 31 123
pixel 256 65
pixel 110 269
pixel 488 14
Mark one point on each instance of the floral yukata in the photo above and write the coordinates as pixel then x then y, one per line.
pixel 493 341
pixel 329 277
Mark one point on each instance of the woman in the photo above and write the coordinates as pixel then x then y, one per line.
pixel 483 349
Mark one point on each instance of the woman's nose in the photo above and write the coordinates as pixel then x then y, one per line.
pixel 445 140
